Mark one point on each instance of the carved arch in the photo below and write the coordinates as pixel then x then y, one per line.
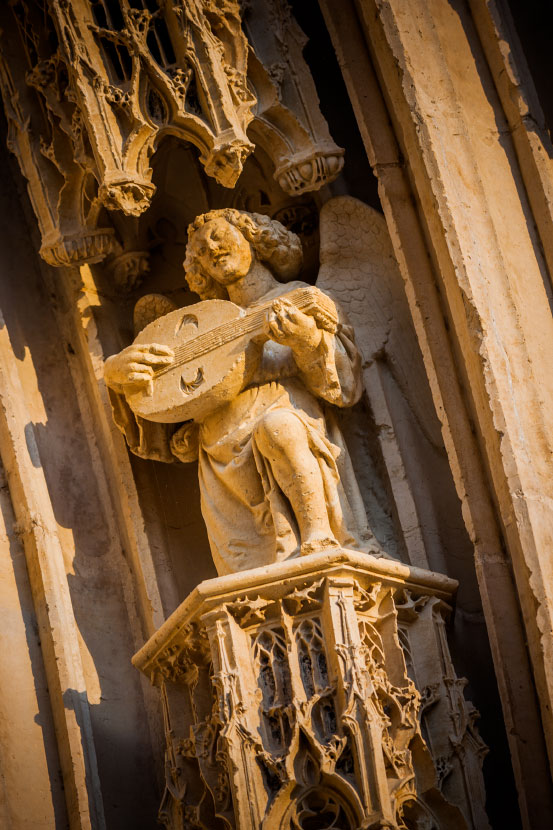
pixel 327 804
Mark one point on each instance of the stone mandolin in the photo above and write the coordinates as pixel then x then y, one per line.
pixel 217 347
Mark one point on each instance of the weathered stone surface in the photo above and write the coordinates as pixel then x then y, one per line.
pixel 74 523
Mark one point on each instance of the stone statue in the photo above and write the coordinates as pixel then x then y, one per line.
pixel 275 476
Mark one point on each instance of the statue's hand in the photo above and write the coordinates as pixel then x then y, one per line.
pixel 185 442
pixel 135 365
pixel 287 325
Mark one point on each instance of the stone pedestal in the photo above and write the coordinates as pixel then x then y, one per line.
pixel 316 693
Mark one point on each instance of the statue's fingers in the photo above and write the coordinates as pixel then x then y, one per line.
pixel 160 349
pixel 287 328
pixel 290 314
pixel 281 315
pixel 151 359
pixel 278 324
pixel 152 348
pixel 141 368
pixel 140 377
pixel 289 308
pixel 275 329
pixel 273 319
pixel 297 316
pixel 288 324
pixel 294 314
pixel 134 354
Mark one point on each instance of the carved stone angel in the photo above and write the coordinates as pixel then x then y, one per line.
pixel 275 476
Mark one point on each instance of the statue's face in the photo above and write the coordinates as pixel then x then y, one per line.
pixel 221 250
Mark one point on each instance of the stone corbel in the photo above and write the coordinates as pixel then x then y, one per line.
pixel 57 177
pixel 299 690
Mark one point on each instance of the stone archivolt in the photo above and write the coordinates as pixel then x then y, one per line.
pixel 317 693
pixel 98 84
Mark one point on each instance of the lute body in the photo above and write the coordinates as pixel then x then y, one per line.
pixel 217 348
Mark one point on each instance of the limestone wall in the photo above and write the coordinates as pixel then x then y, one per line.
pixel 68 502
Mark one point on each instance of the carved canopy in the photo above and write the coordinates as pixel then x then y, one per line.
pixel 91 87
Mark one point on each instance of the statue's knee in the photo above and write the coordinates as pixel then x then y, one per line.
pixel 278 429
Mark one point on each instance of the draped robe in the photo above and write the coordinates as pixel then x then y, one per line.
pixel 249 520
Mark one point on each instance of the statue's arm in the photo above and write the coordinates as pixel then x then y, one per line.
pixel 329 362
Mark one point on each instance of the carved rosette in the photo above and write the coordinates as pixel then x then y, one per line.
pixel 291 700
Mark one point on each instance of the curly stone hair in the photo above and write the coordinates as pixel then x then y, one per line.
pixel 278 248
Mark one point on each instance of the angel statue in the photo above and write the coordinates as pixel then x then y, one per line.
pixel 276 479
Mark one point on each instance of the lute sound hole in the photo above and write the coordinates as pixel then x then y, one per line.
pixel 188 386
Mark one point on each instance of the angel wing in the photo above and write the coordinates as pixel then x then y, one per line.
pixel 359 268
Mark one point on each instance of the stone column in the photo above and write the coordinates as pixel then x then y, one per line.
pixel 318 692
pixel 466 234
pixel 57 627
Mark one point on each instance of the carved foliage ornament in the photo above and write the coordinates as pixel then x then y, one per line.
pixel 98 84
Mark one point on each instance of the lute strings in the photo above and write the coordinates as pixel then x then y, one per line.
pixel 232 329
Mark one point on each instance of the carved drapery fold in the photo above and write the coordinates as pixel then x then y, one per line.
pixel 318 693
pixel 98 84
